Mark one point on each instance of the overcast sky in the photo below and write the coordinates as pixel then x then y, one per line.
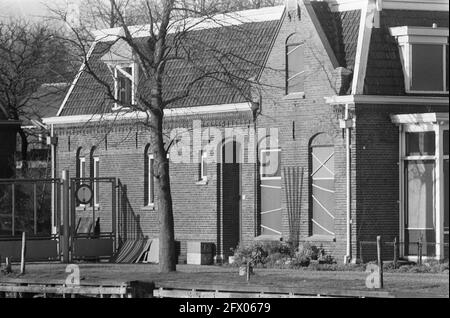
pixel 27 8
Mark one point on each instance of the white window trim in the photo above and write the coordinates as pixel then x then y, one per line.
pixel 96 175
pixel 150 188
pixel 261 168
pixel 80 162
pixel 203 161
pixel 133 78
pixel 420 125
pixel 406 37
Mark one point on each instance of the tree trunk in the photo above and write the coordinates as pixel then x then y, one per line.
pixel 167 255
pixel 24 150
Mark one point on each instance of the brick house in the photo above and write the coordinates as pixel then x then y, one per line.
pixel 344 139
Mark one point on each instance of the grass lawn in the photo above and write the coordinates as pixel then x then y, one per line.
pixel 399 284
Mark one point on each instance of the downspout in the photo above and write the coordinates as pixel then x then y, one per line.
pixel 53 176
pixel 348 255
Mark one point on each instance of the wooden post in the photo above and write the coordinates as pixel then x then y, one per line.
pixel 380 260
pixel 248 271
pixel 419 250
pixel 8 268
pixel 23 253
pixel 361 251
pixel 395 252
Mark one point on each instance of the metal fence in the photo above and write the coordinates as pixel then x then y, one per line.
pixel 391 250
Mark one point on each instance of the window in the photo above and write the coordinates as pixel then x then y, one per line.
pixel 270 163
pixel 424 54
pixel 96 182
pixel 423 183
pixel 149 180
pixel 203 166
pixel 446 189
pixel 124 83
pixel 80 170
pixel 294 65
pixel 151 184
pixel 322 197
pixel 82 167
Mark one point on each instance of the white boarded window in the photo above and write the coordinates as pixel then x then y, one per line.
pixel 295 66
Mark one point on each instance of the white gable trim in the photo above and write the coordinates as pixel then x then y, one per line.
pixel 421 5
pixel 386 100
pixel 220 20
pixel 362 50
pixel 138 115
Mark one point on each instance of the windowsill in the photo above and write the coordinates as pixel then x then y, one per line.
pixel 294 96
pixel 150 207
pixel 318 238
pixel 87 208
pixel 118 108
pixel 202 182
pixel 427 92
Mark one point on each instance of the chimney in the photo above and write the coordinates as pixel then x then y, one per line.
pixel 293 9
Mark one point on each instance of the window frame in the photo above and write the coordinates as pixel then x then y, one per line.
pixel 150 180
pixel 438 179
pixel 133 77
pixel 82 174
pixel 294 44
pixel 203 176
pixel 96 183
pixel 261 167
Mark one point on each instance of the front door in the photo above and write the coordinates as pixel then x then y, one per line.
pixel 231 184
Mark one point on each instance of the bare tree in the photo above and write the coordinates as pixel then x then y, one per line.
pixel 30 55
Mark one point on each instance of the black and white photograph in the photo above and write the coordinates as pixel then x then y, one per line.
pixel 252 151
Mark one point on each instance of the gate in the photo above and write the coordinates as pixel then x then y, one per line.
pixel 93 214
pixel 26 206
pixel 87 205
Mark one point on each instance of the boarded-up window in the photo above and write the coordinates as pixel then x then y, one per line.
pixel 322 186
pixel 295 66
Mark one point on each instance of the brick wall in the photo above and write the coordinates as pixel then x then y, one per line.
pixel 196 205
pixel 377 172
pixel 298 119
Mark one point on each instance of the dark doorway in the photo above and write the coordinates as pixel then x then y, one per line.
pixel 231 202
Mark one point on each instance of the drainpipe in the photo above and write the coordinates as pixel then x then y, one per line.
pixel 347 124
pixel 52 142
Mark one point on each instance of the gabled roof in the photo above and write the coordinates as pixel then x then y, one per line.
pixel 236 52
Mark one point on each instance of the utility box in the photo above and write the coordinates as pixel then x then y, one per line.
pixel 200 253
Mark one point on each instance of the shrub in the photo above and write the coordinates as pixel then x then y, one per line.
pixel 307 250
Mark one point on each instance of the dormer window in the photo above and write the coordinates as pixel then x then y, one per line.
pixel 124 85
pixel 424 54
pixel 121 63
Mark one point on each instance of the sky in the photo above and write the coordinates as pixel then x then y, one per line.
pixel 29 9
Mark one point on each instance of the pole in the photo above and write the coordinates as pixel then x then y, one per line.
pixel 66 216
pixel 23 252
pixel 380 260
pixel 395 252
pixel 53 172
